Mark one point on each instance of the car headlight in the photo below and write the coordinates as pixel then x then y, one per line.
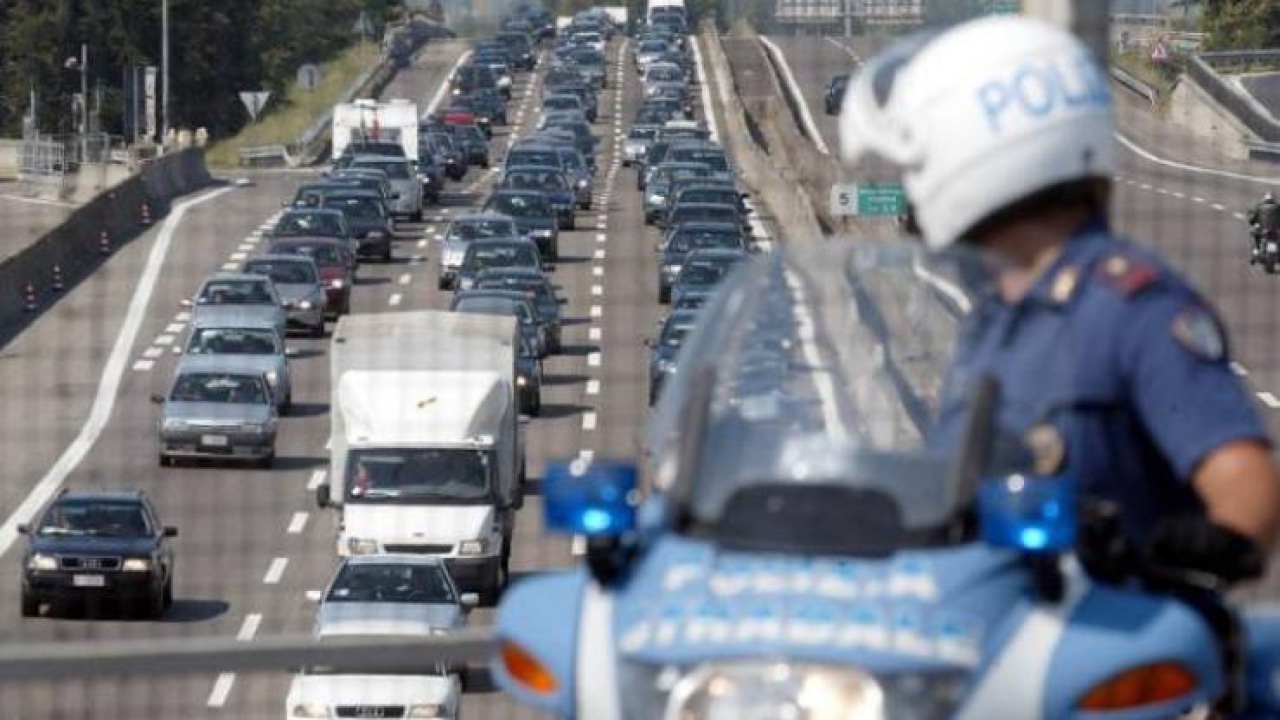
pixel 309 710
pixel 543 233
pixel 466 283
pixel 337 283
pixel 304 305
pixel 425 711
pixel 357 546
pixel 473 547
pixel 656 199
pixel 273 378
pixel 780 690
pixel 666 366
pixel 43 562
pixel 136 565
pixel 521 381
pixel 670 269
pixel 582 184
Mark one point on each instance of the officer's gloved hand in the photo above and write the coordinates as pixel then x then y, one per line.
pixel 1199 545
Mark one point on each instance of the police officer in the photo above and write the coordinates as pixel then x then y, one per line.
pixel 1004 129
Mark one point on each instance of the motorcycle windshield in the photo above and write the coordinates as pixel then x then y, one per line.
pixel 804 412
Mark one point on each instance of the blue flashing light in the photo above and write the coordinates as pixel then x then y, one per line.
pixel 1030 514
pixel 592 499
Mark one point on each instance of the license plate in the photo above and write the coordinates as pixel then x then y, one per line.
pixel 88 581
pixel 213 440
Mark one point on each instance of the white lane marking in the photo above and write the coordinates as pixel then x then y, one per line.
pixel 1180 196
pixel 810 127
pixel 1218 206
pixel 1239 369
pixel 317 477
pixel 597 290
pixel 36 201
pixel 598 254
pixel 231 266
pixel 589 421
pixel 705 91
pixel 1162 191
pixel 245 247
pixel 601 237
pixel 182 317
pixel 221 689
pixel 1197 199
pixel 596 311
pixel 597 271
pixel 297 523
pixel 1145 186
pixel 404 279
pixel 275 571
pixel 822 378
pixel 601 226
pixel 593 387
pixel 174 327
pixel 164 340
pixel 594 333
pixel 422 242
pixel 394 300
pixel 328 445
pixel 1238 216
pixel 848 50
pixel 143 365
pixel 1269 400
pixel 1152 157
pixel 238 256
pixel 105 399
pixel 249 627
pixel 593 359
pixel 152 352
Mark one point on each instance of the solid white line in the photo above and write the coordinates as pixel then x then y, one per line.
pixel 298 523
pixel 37 201
pixel 593 333
pixel 705 91
pixel 394 300
pixel 153 352
pixel 848 50
pixel 275 571
pixel 1152 157
pixel 810 127
pixel 317 478
pixel 221 689
pixel 593 387
pixel 593 359
pixel 589 421
pixel 109 384
pixel 144 365
pixel 404 279
pixel 250 627
pixel 1269 400
pixel 444 85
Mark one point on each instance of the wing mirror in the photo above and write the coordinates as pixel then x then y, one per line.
pixel 157 399
pixel 469 600
pixel 170 531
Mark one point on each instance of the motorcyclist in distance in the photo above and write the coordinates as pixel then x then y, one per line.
pixel 1264 220
pixel 1004 129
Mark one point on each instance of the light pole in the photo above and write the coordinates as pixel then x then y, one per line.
pixel 82 64
pixel 164 70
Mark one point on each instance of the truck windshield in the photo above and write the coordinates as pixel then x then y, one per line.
pixel 416 475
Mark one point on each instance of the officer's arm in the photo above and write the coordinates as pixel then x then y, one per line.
pixel 1199 413
pixel 1240 487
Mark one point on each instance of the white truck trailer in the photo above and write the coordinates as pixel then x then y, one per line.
pixel 392 121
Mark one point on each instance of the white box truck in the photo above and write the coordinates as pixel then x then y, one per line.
pixel 426 447
pixel 392 121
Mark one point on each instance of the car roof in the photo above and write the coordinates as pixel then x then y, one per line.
pixel 282 257
pixel 480 243
pixel 481 217
pixel 393 559
pixel 87 494
pixel 705 225
pixel 233 319
pixel 229 364
pixel 310 211
pixel 513 295
pixel 225 275
pixel 355 191
pixel 715 254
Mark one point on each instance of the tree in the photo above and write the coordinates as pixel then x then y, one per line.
pixel 1242 24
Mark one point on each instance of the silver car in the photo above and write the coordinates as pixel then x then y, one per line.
pixel 405 185
pixel 637 143
pixel 217 408
pixel 232 294
pixel 254 344
pixel 464 229
pixel 297 281
pixel 393 588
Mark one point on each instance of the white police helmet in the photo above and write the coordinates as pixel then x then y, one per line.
pixel 981 116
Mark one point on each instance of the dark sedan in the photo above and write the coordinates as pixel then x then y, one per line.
pixel 334 260
pixel 534 216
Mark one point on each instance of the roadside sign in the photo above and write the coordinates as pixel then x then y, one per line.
pixel 868 199
pixel 1159 54
pixel 363 25
pixel 309 76
pixel 254 102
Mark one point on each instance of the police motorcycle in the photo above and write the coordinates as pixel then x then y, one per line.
pixel 797 551
pixel 1265 248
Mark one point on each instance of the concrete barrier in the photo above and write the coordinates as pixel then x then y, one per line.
pixel 89 236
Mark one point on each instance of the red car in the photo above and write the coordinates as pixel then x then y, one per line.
pixel 337 267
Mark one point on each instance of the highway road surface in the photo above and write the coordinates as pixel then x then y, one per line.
pixel 253 542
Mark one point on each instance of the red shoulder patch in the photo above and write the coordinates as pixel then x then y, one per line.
pixel 1126 275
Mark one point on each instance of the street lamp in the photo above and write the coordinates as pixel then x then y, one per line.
pixel 82 64
pixel 164 70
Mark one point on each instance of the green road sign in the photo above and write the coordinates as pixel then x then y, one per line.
pixel 868 199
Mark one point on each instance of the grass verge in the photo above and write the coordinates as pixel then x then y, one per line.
pixel 285 119
pixel 1162 78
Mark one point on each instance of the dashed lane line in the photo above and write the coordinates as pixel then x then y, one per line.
pixel 593 359
pixel 395 299
pixel 221 689
pixel 275 571
pixel 249 627
pixel 1269 400
pixel 297 523
pixel 143 365
pixel 593 387
pixel 589 420
pixel 317 477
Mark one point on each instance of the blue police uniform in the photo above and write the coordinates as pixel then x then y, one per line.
pixel 1114 371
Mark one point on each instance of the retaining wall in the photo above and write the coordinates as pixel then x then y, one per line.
pixel 75 248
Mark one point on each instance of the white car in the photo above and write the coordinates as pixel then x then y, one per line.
pixel 382 596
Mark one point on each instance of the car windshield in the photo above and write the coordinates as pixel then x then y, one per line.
pixel 704 272
pixel 395 169
pixel 236 292
pixel 323 254
pixel 652 47
pixel 283 272
pixel 718 213
pixel 534 179
pixel 490 305
pixel 532 157
pixel 687 240
pixel 478 229
pixel 519 205
pixel 404 475
pixel 359 206
pixel 505 255
pixel 215 387
pixel 233 341
pixel 103 518
pixel 642 133
pixel 673 334
pixel 709 195
pixel 294 224
pixel 391 583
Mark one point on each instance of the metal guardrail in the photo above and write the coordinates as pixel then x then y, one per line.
pixel 1201 68
pixel 1130 81
pixel 264 155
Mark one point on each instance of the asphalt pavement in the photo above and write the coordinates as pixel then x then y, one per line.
pixel 1265 88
